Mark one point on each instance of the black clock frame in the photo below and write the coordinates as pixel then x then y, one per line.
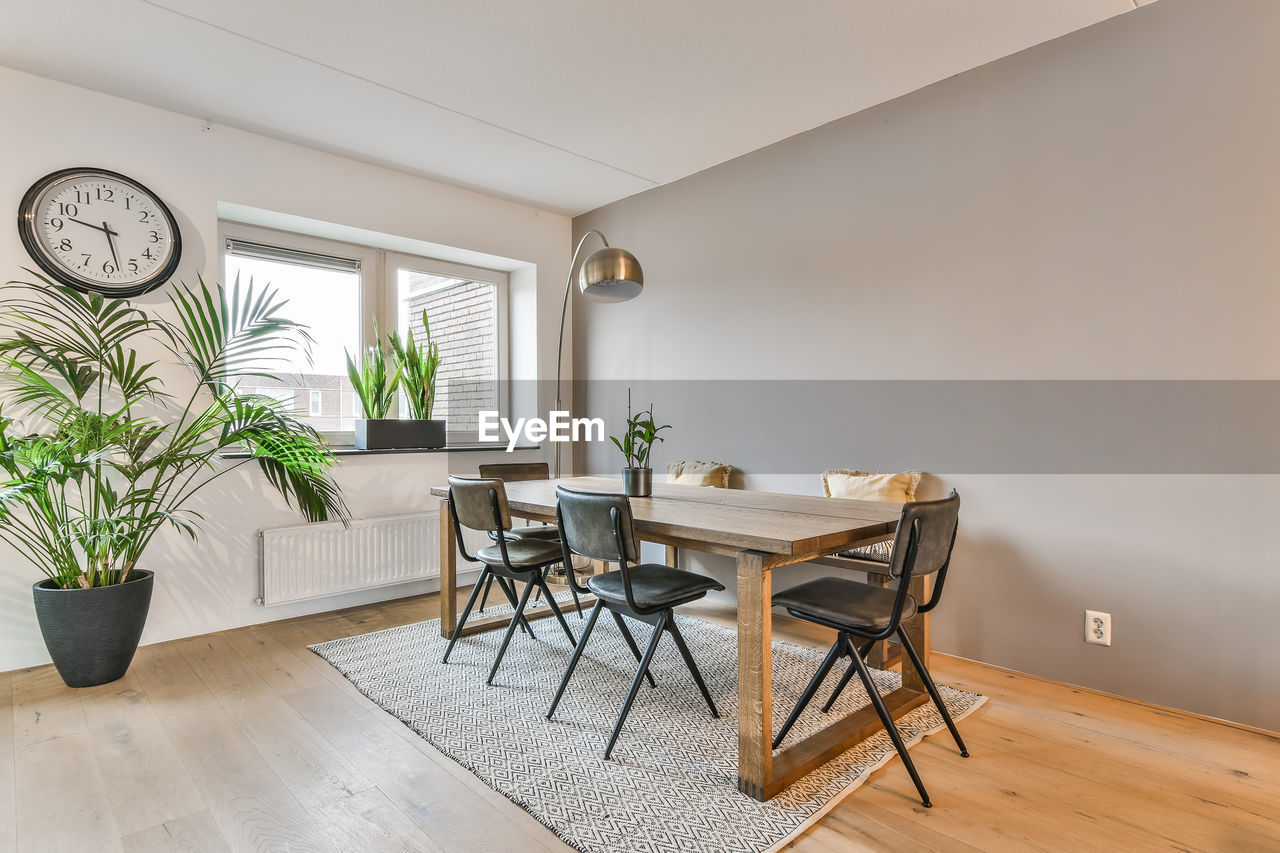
pixel 27 231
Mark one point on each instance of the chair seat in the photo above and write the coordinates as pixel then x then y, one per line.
pixel 654 586
pixel 522 553
pixel 843 602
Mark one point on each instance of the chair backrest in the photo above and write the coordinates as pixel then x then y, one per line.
pixel 472 502
pixel 597 525
pixel 925 536
pixel 513 472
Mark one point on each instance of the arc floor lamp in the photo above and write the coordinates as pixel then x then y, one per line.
pixel 607 275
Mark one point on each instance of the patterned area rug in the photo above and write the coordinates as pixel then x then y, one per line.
pixel 671 784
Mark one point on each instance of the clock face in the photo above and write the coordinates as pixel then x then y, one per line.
pixel 99 231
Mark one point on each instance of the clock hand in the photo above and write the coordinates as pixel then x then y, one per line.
pixel 87 225
pixel 112 243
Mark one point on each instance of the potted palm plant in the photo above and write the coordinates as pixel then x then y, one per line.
pixel 412 368
pixel 636 442
pixel 103 454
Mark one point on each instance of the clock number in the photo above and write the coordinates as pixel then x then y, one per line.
pixel 82 197
pixel 128 199
pixel 68 209
pixel 65 245
pixel 56 223
pixel 143 217
pixel 108 267
pixel 155 236
pixel 87 258
pixel 106 195
pixel 147 254
pixel 133 265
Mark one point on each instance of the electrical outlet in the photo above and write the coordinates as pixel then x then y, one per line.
pixel 1097 627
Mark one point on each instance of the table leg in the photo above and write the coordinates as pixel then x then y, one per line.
pixel 878 657
pixel 448 571
pixel 673 556
pixel 917 628
pixel 755 675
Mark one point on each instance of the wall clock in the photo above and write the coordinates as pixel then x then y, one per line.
pixel 99 232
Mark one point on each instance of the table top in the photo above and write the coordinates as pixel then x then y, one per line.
pixel 724 520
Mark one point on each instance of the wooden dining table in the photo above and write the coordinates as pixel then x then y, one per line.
pixel 764 532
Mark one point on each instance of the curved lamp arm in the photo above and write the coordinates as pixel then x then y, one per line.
pixel 564 311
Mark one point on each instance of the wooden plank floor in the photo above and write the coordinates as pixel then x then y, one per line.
pixel 244 740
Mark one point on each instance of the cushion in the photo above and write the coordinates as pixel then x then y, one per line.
pixel 695 473
pixel 535 531
pixel 865 486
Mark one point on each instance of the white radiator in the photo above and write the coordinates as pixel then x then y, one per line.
pixel 315 560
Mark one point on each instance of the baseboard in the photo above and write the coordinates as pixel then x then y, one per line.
pixel 1165 709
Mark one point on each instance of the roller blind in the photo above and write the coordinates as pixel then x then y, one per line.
pixel 280 254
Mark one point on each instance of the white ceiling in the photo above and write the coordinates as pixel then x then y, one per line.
pixel 563 104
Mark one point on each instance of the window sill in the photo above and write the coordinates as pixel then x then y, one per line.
pixel 349 450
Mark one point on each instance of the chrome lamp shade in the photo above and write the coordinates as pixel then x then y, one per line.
pixel 611 275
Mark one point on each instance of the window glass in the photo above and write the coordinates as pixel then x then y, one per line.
pixel 328 303
pixel 464 321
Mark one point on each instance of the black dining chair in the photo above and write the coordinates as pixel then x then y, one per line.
pixel 865 614
pixel 600 526
pixel 513 472
pixel 481 504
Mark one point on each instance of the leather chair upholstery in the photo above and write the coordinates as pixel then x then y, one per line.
pixel 843 601
pixel 653 586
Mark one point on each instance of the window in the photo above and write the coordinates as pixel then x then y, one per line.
pixel 339 290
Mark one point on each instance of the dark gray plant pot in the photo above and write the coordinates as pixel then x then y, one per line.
pixel 399 434
pixel 637 482
pixel 91 634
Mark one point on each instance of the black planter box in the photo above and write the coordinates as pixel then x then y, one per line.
pixel 399 434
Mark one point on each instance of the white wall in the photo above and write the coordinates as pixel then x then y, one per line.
pixel 1104 206
pixel 49 126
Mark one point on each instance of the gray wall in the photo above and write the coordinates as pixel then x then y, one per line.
pixel 1104 206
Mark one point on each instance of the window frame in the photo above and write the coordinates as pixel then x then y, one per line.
pixel 379 294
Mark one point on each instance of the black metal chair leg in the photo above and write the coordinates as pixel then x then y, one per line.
pixel 888 723
pixel 555 608
pixel 577 655
pixel 933 690
pixel 577 602
pixel 631 642
pixel 510 593
pixel 844 680
pixel 466 611
pixel 805 698
pixel 693 667
pixel 511 630
pixel 484 599
pixel 658 631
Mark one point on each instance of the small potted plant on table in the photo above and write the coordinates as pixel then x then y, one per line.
pixel 636 443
